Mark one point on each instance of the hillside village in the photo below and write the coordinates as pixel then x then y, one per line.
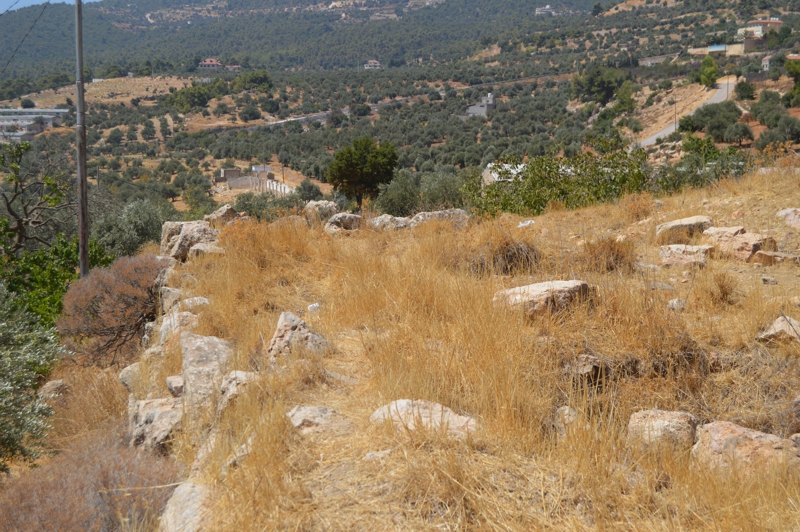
pixel 428 265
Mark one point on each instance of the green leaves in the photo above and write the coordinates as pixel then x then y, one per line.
pixel 357 170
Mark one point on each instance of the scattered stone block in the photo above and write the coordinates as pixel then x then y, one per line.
pixel 684 262
pixel 291 333
pixel 671 231
pixel 185 510
pixel 130 376
pixel 662 286
pixel 176 321
pixel 660 428
pixel 387 222
pixel 306 417
pixel 770 258
pixel 169 297
pixel 790 217
pixel 53 389
pixel 683 250
pixel 718 233
pixel 676 305
pixel 458 217
pixel 564 420
pixel 547 296
pixel 769 280
pixel 191 233
pixel 175 385
pixel 408 414
pixel 342 223
pixel 205 360
pixel 233 385
pixel 317 211
pixel 221 216
pixel 722 444
pixel 784 329
pixel 204 249
pixel 154 422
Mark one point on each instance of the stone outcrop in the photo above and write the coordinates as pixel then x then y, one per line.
pixel 784 329
pixel 233 385
pixel 342 223
pixel 408 414
pixel 176 321
pixel 672 232
pixel 660 428
pixel 129 376
pixel 194 303
pixel 790 217
pixel 770 258
pixel 293 333
pixel 722 444
pixel 564 421
pixel 185 510
pixel 204 248
pixel 547 296
pixel 205 360
pixel 458 217
pixel 221 217
pixel 191 233
pixel 169 234
pixel 721 233
pixel 676 305
pixel 175 385
pixel 387 222
pixel 319 211
pixel 154 422
pixel 169 297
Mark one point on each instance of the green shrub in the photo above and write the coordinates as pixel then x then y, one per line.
pixel 28 352
pixel 139 222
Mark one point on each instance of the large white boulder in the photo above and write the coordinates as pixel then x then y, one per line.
pixel 660 428
pixel 176 321
pixel 169 234
pixel 191 233
pixel 408 414
pixel 221 216
pixel 203 249
pixel 671 231
pixel 547 296
pixel 722 444
pixel 791 217
pixel 387 222
pixel 458 217
pixel 233 384
pixel 342 223
pixel 319 211
pixel 205 361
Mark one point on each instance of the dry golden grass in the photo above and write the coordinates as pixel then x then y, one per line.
pixel 411 316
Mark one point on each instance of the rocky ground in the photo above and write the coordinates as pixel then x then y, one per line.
pixel 629 366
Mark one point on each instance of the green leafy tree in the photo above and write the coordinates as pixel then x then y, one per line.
pixel 249 112
pixel 259 80
pixel 149 130
pixel 139 222
pixel 357 170
pixel 597 9
pixel 738 133
pixel 114 137
pixel 27 103
pixel 709 72
pixel 28 352
pixel 745 90
pixel 309 191
pixel 132 136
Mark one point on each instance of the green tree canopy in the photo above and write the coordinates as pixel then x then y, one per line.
pixel 357 170
pixel 709 72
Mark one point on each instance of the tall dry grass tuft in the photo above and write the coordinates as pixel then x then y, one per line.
pixel 608 254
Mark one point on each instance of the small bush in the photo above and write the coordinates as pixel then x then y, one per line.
pixel 96 484
pixel 638 206
pixel 105 312
pixel 505 256
pixel 139 222
pixel 720 289
pixel 28 351
pixel 607 255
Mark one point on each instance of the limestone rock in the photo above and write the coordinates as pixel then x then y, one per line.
pixel 191 233
pixel 233 385
pixel 154 422
pixel 676 305
pixel 408 414
pixel 743 246
pixel 185 511
pixel 784 329
pixel 176 321
pixel 662 286
pixel 724 232
pixel 53 389
pixel 547 296
pixel 175 385
pixel 169 233
pixel 722 444
pixel 204 248
pixel 342 222
pixel 317 211
pixel 303 417
pixel 169 296
pixel 587 367
pixel 387 222
pixel 791 217
pixel 769 258
pixel 660 428
pixel 147 336
pixel 769 280
pixel 205 360
pixel 130 376
pixel 221 216
pixel 689 261
pixel 458 217
pixel 676 229
pixel 193 303
pixel 292 333
pixel 683 250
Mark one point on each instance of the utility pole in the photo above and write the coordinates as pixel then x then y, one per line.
pixel 80 142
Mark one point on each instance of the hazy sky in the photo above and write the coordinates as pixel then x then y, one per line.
pixel 24 3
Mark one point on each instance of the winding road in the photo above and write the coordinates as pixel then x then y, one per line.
pixel 724 90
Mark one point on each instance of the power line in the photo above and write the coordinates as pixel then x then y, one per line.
pixel 10 8
pixel 23 39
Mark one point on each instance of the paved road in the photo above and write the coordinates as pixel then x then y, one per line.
pixel 724 89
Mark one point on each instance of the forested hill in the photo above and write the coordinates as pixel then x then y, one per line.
pixel 263 34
